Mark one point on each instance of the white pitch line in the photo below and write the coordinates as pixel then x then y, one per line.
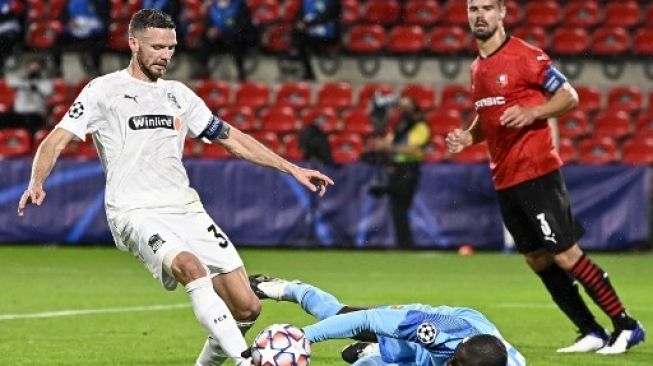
pixel 551 306
pixel 60 313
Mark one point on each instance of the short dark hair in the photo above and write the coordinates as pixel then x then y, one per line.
pixel 481 350
pixel 149 18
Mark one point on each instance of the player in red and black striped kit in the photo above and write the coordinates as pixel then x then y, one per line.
pixel 516 89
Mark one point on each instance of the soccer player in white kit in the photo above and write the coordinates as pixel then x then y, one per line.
pixel 139 122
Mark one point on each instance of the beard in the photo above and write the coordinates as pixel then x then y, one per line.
pixel 484 35
pixel 152 75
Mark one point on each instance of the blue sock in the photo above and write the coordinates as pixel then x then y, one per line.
pixel 313 300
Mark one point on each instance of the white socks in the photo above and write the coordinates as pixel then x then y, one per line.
pixel 214 315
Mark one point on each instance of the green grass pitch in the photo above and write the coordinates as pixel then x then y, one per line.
pixel 46 280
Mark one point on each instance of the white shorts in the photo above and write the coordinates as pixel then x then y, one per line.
pixel 151 236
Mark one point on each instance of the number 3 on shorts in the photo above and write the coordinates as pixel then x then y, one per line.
pixel 223 242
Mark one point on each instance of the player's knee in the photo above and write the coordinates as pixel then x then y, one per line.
pixel 247 311
pixel 567 259
pixel 186 267
pixel 538 260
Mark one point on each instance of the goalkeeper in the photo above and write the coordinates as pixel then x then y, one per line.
pixel 403 335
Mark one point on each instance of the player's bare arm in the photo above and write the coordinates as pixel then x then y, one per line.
pixel 245 147
pixel 44 160
pixel 458 139
pixel 561 102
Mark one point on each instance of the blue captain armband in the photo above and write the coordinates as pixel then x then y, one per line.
pixel 216 129
pixel 553 80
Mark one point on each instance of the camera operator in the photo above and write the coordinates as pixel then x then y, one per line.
pixel 32 92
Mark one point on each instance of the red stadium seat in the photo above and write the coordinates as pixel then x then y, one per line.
pixel 276 38
pixel 357 120
pixel 346 148
pixel 534 35
pixel 610 41
pixel 351 12
pixel 436 150
pixel 406 39
pixel 123 10
pixel 568 151
pixel 444 120
pixel 118 39
pixel 213 151
pixel 421 12
pixel 596 151
pixel 457 96
pixel 544 13
pixel 570 41
pixel 264 11
pixel 85 150
pixel 7 96
pixel 637 151
pixel 61 92
pixel 612 123
pixel 43 34
pixel 625 14
pixel 279 119
pixel 589 98
pixel 447 40
pixel 252 94
pixel 582 13
pixel 472 154
pixel 243 118
pixel 627 98
pixel 190 148
pixel 574 124
pixel 294 94
pixel 367 91
pixel 192 11
pixel 39 10
pixel 57 113
pixel 270 139
pixel 335 94
pixel 643 42
pixel 365 39
pixel 290 9
pixel 291 148
pixel 455 13
pixel 216 94
pixel 644 125
pixel 384 12
pixel 193 36
pixel 14 142
pixel 423 94
pixel 514 15
pixel 324 117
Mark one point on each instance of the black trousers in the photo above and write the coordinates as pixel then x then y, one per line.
pixel 303 44
pixel 402 184
pixel 234 44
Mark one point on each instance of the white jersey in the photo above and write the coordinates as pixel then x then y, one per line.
pixel 139 130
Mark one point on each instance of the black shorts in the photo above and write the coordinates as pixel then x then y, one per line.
pixel 538 215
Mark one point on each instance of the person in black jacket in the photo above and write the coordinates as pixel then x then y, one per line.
pixel 317 25
pixel 229 29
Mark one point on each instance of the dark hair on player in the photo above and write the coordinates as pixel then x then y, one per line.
pixel 149 18
pixel 500 3
pixel 480 350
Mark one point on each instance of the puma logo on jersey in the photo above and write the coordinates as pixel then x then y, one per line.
pixel 126 96
pixel 150 122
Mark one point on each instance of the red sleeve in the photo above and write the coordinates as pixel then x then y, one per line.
pixel 534 65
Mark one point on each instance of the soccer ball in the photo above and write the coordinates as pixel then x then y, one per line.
pixel 281 345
